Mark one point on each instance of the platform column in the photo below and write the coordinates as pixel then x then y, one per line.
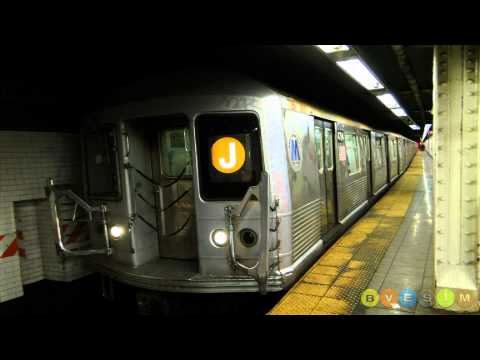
pixel 456 177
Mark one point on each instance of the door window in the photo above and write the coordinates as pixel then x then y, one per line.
pixel 175 152
pixel 101 155
pixel 328 148
pixel 379 149
pixel 319 147
pixel 353 154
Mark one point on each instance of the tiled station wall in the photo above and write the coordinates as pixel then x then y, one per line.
pixel 27 238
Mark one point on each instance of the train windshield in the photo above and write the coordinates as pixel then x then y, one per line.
pixel 229 155
pixel 175 148
pixel 101 160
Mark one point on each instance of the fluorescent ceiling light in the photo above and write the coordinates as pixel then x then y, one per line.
pixel 357 70
pixel 399 112
pixel 415 127
pixel 388 100
pixel 328 49
pixel 426 130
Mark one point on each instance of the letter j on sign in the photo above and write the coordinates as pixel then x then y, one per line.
pixel 228 155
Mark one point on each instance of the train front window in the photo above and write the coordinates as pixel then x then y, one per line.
pixel 353 158
pixel 175 152
pixel 229 155
pixel 101 162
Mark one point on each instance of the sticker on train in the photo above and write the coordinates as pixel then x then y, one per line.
pixel 294 153
pixel 228 155
pixel 342 153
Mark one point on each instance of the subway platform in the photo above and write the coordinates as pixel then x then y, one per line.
pixel 390 247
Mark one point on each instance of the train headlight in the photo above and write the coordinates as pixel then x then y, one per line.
pixel 219 237
pixel 117 231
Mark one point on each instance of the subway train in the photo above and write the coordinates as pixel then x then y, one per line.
pixel 215 183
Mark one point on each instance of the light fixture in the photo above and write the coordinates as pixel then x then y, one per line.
pixel 328 49
pixel 117 231
pixel 415 127
pixel 388 100
pixel 399 112
pixel 219 238
pixel 357 70
pixel 426 130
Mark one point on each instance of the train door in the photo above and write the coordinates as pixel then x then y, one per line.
pixel 379 161
pixel 329 160
pixel 174 169
pixel 319 147
pixel 365 136
pixel 162 181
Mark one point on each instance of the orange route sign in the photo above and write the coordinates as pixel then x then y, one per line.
pixel 228 155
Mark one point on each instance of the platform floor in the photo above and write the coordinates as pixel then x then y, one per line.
pixel 390 247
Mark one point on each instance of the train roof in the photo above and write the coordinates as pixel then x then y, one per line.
pixel 300 106
pixel 211 81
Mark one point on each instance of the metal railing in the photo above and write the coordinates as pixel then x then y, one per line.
pixel 261 193
pixel 57 192
pixel 157 190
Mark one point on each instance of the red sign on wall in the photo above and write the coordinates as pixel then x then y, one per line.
pixel 8 245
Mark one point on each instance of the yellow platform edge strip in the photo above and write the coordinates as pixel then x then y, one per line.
pixel 334 284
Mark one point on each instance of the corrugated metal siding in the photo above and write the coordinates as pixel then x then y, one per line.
pixel 306 222
pixel 354 194
pixel 394 168
pixel 323 216
pixel 380 176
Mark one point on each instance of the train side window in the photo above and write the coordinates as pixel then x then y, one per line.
pixel 353 156
pixel 175 152
pixel 328 148
pixel 319 147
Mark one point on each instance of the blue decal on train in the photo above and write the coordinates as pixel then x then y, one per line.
pixel 294 151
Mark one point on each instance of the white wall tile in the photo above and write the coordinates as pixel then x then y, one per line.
pixel 27 160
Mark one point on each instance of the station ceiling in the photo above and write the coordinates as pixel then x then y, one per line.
pixel 52 90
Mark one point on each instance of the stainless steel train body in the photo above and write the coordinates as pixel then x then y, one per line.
pixel 185 226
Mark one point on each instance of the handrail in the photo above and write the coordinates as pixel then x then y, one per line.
pixel 54 190
pixel 261 268
pixel 229 213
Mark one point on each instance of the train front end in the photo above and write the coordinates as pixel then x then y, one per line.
pixel 193 201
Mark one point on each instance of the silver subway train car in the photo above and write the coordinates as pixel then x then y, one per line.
pixel 217 183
